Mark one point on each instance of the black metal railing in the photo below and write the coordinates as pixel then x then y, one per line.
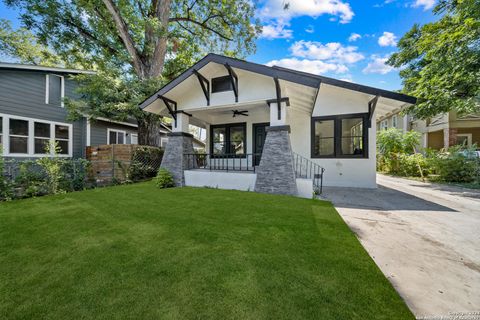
pixel 226 162
pixel 307 169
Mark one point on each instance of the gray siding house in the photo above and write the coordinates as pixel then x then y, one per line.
pixel 32 113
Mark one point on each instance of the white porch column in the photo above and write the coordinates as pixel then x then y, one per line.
pixel 181 124
pixel 274 118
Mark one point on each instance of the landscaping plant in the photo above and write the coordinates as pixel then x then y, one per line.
pixel 394 150
pixel 52 166
pixel 6 186
pixel 164 179
pixel 457 164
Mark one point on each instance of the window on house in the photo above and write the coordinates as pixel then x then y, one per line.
pixel 343 136
pixel 221 84
pixel 116 137
pixel 228 139
pixel 29 137
pixel 394 121
pixel 384 125
pixel 18 136
pixel 41 137
pixel 54 90
pixel 62 138
pixel 134 138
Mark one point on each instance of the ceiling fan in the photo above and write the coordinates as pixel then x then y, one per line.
pixel 240 113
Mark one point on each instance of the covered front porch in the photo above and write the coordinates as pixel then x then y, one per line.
pixel 235 139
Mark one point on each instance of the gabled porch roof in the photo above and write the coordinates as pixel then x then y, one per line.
pixel 386 100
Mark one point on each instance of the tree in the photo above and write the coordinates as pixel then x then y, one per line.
pixel 136 45
pixel 440 61
pixel 22 44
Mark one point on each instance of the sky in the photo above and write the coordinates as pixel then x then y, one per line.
pixel 343 39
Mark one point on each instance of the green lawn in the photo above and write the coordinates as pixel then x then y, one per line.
pixel 137 252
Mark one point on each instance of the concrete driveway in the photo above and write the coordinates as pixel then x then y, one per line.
pixel 424 237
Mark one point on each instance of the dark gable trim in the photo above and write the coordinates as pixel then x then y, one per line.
pixel 357 87
pixel 303 78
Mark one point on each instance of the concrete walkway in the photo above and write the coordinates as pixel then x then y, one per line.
pixel 424 237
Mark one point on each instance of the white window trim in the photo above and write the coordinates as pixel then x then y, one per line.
pixel 52 129
pixel 131 137
pixel 469 138
pixel 394 121
pixel 31 139
pixel 62 89
pixel 384 124
pixel 88 139
pixel 116 130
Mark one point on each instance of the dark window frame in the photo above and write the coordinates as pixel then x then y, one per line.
pixel 337 136
pixel 218 81
pixel 227 127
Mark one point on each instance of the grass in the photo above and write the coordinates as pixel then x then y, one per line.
pixel 434 179
pixel 137 252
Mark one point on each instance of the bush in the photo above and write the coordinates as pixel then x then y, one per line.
pixel 394 150
pixel 52 166
pixel 456 165
pixel 6 186
pixel 30 180
pixel 164 179
pixel 145 163
pixel 75 175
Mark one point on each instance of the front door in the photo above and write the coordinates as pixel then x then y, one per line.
pixel 259 135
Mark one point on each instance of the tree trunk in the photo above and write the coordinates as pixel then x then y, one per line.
pixel 149 130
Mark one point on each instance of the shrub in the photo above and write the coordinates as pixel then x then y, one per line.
pixel 413 165
pixel 6 186
pixel 145 163
pixel 52 166
pixel 75 175
pixel 30 180
pixel 394 146
pixel 456 165
pixel 164 179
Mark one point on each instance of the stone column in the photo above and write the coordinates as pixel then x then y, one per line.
pixel 276 172
pixel 179 143
pixel 174 159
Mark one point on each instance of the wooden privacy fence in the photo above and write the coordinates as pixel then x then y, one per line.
pixel 123 162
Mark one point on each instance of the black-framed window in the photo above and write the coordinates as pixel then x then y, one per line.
pixel 341 136
pixel 228 139
pixel 221 84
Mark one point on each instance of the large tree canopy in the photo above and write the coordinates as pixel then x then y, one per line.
pixel 440 61
pixel 136 44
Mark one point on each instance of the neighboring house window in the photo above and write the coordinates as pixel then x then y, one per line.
pixel 61 138
pixel 29 137
pixel 228 139
pixel 55 90
pixel 464 139
pixel 384 124
pixel 221 84
pixel 18 136
pixel 344 136
pixel 394 121
pixel 42 135
pixel 134 138
pixel 116 136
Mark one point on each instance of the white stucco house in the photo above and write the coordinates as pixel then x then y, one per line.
pixel 271 129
